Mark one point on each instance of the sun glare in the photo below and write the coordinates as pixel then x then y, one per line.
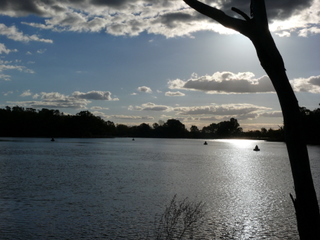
pixel 240 143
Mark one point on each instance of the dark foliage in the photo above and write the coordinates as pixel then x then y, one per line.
pixel 29 122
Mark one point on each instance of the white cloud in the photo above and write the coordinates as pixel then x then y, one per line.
pixel 129 117
pixel 3 49
pixel 311 84
pixel 94 95
pixel 275 114
pixel 174 94
pixel 26 93
pixel 224 82
pixel 7 93
pixel 144 89
pixel 77 100
pixel 41 51
pixel 221 110
pixel 5 77
pixel 304 21
pixel 14 34
pixel 9 66
pixel 100 114
pixel 151 107
pixel 98 108
pixel 58 100
pixel 245 82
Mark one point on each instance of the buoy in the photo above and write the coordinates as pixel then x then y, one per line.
pixel 256 148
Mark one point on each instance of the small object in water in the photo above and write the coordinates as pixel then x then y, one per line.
pixel 256 148
pixel 132 139
pixel 52 140
pixel 205 143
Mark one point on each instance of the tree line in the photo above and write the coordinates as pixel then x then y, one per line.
pixel 28 122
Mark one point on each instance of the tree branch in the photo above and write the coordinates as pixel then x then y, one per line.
pixel 245 16
pixel 218 15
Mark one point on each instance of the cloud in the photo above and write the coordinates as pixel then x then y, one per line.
pixel 222 110
pixel 94 95
pixel 3 49
pixel 26 93
pixel 168 17
pixel 20 7
pixel 128 117
pixel 41 51
pixel 311 84
pixel 174 94
pixel 225 82
pixel 100 114
pixel 98 108
pixel 144 89
pixel 275 114
pixel 276 9
pixel 151 107
pixel 217 113
pixel 13 34
pixel 244 82
pixel 77 100
pixel 7 93
pixel 58 100
pixel 11 66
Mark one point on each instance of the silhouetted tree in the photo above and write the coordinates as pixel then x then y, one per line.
pixel 228 128
pixel 311 124
pixel 174 128
pixel 257 30
pixel 194 132
pixel 110 128
pixel 210 131
pixel 122 130
pixel 143 130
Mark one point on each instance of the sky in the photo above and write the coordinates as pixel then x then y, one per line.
pixel 145 61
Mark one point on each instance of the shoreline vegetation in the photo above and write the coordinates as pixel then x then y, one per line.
pixel 28 122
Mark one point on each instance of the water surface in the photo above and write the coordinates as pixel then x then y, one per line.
pixel 112 188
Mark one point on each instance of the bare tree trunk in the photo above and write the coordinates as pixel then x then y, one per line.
pixel 257 30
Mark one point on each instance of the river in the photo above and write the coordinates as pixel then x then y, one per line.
pixel 114 188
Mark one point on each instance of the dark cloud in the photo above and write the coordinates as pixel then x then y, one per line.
pixel 22 7
pixel 144 89
pixel 315 80
pixel 110 3
pixel 225 82
pixel 131 17
pixel 93 95
pixel 277 9
pixel 281 9
pixel 171 20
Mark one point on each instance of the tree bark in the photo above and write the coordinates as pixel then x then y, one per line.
pixel 257 30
